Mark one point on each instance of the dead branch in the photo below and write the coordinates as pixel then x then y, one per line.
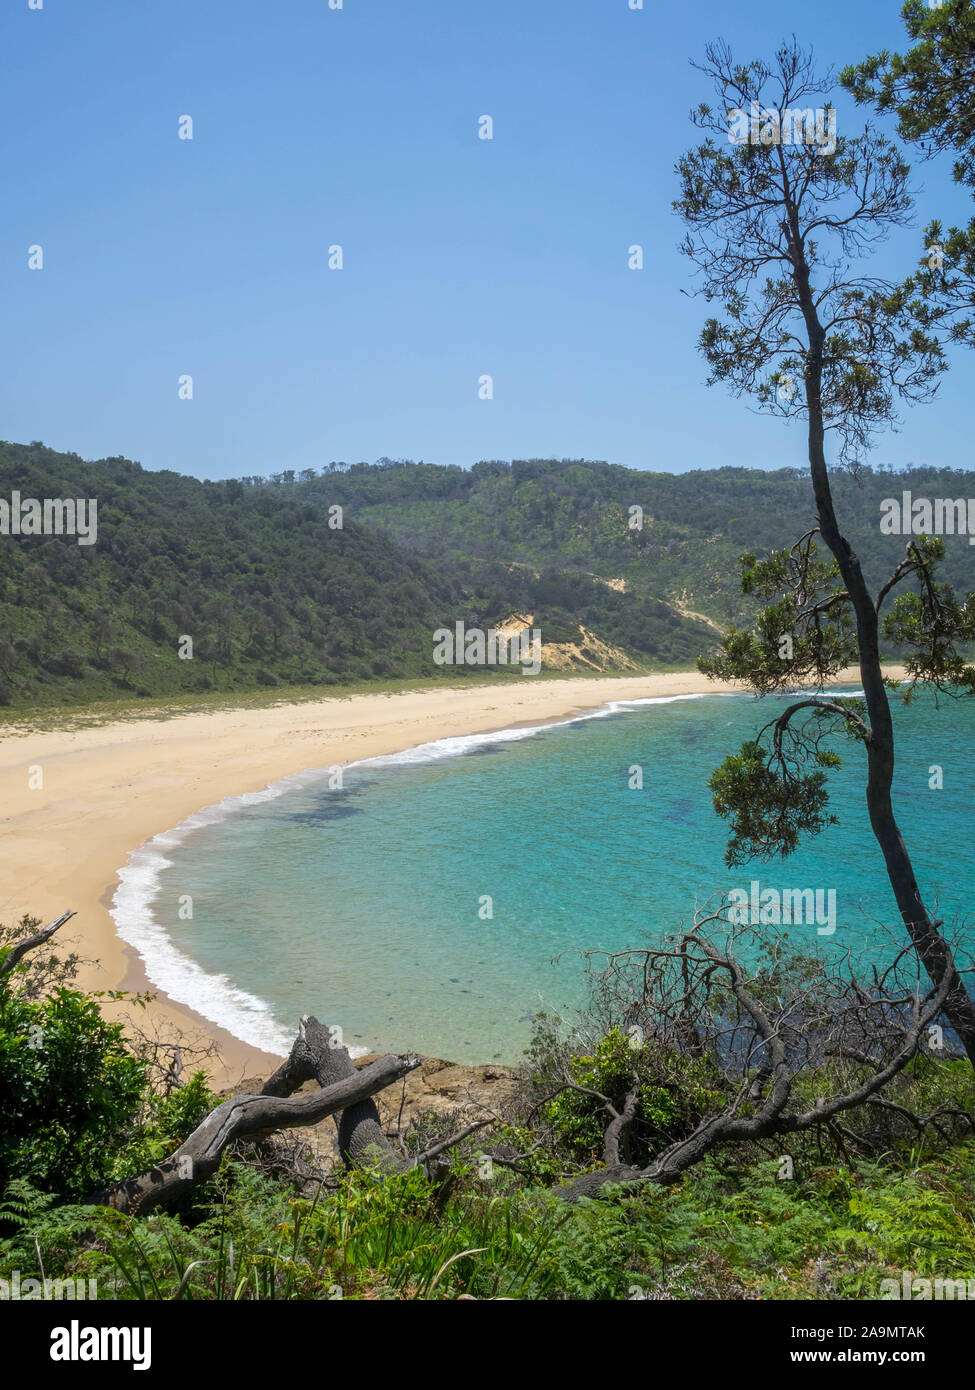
pixel 16 954
pixel 245 1117
pixel 317 1055
pixel 343 1092
pixel 760 1033
pixel 435 1150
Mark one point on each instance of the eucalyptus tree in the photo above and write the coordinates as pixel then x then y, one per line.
pixel 931 91
pixel 781 208
pixel 930 87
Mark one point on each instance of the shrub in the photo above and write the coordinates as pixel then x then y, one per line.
pixel 70 1092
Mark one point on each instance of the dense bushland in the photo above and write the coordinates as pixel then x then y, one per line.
pixel 85 1105
pixel 273 596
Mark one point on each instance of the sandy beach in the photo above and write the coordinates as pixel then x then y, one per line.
pixel 108 789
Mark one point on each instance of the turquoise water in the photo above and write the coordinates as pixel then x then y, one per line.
pixel 364 905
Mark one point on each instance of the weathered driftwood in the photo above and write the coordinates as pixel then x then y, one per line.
pixel 318 1056
pixel 346 1094
pixel 245 1117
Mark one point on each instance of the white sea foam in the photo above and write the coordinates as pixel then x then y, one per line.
pixel 469 743
pixel 216 997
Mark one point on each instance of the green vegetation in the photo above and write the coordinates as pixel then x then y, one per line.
pixel 268 592
pixel 278 602
pixel 676 1093
pixel 730 1231
pixel 859 1205
pixel 860 347
pixel 573 516
pixel 272 595
pixel 79 1105
pixel 781 1131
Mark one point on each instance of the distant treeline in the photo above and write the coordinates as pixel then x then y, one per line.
pixel 575 514
pixel 273 592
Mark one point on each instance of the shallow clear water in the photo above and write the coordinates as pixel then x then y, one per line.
pixel 363 905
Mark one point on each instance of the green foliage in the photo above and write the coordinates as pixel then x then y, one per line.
pixel 166 1121
pixel 579 1120
pixel 741 1231
pixel 70 1092
pixel 271 594
pixel 732 1229
pixel 913 1225
pixel 929 87
pixel 769 809
pixel 797 206
pixel 931 624
pixel 21 1203
pixel 261 583
pixel 806 631
pixel 675 1092
pixel 275 600
pixel 729 1230
pixel 41 969
pixel 78 1105
pixel 372 1238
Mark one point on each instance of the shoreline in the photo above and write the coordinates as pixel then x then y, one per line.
pixel 108 790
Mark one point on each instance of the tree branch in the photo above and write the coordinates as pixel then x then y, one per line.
pixel 14 956
pixel 245 1117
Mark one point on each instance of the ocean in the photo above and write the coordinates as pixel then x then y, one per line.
pixel 442 896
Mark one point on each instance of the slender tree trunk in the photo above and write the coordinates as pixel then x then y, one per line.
pixel 932 948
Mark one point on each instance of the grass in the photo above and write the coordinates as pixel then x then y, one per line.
pixel 16 722
pixel 731 1230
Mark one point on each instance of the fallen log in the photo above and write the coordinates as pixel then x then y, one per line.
pixel 318 1056
pixel 245 1117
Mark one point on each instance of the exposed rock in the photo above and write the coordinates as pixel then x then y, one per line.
pixel 589 653
pixel 442 1088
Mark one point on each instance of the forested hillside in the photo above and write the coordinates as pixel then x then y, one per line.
pixel 268 590
pixel 273 592
pixel 575 514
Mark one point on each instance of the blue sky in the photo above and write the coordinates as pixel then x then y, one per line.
pixel 358 127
